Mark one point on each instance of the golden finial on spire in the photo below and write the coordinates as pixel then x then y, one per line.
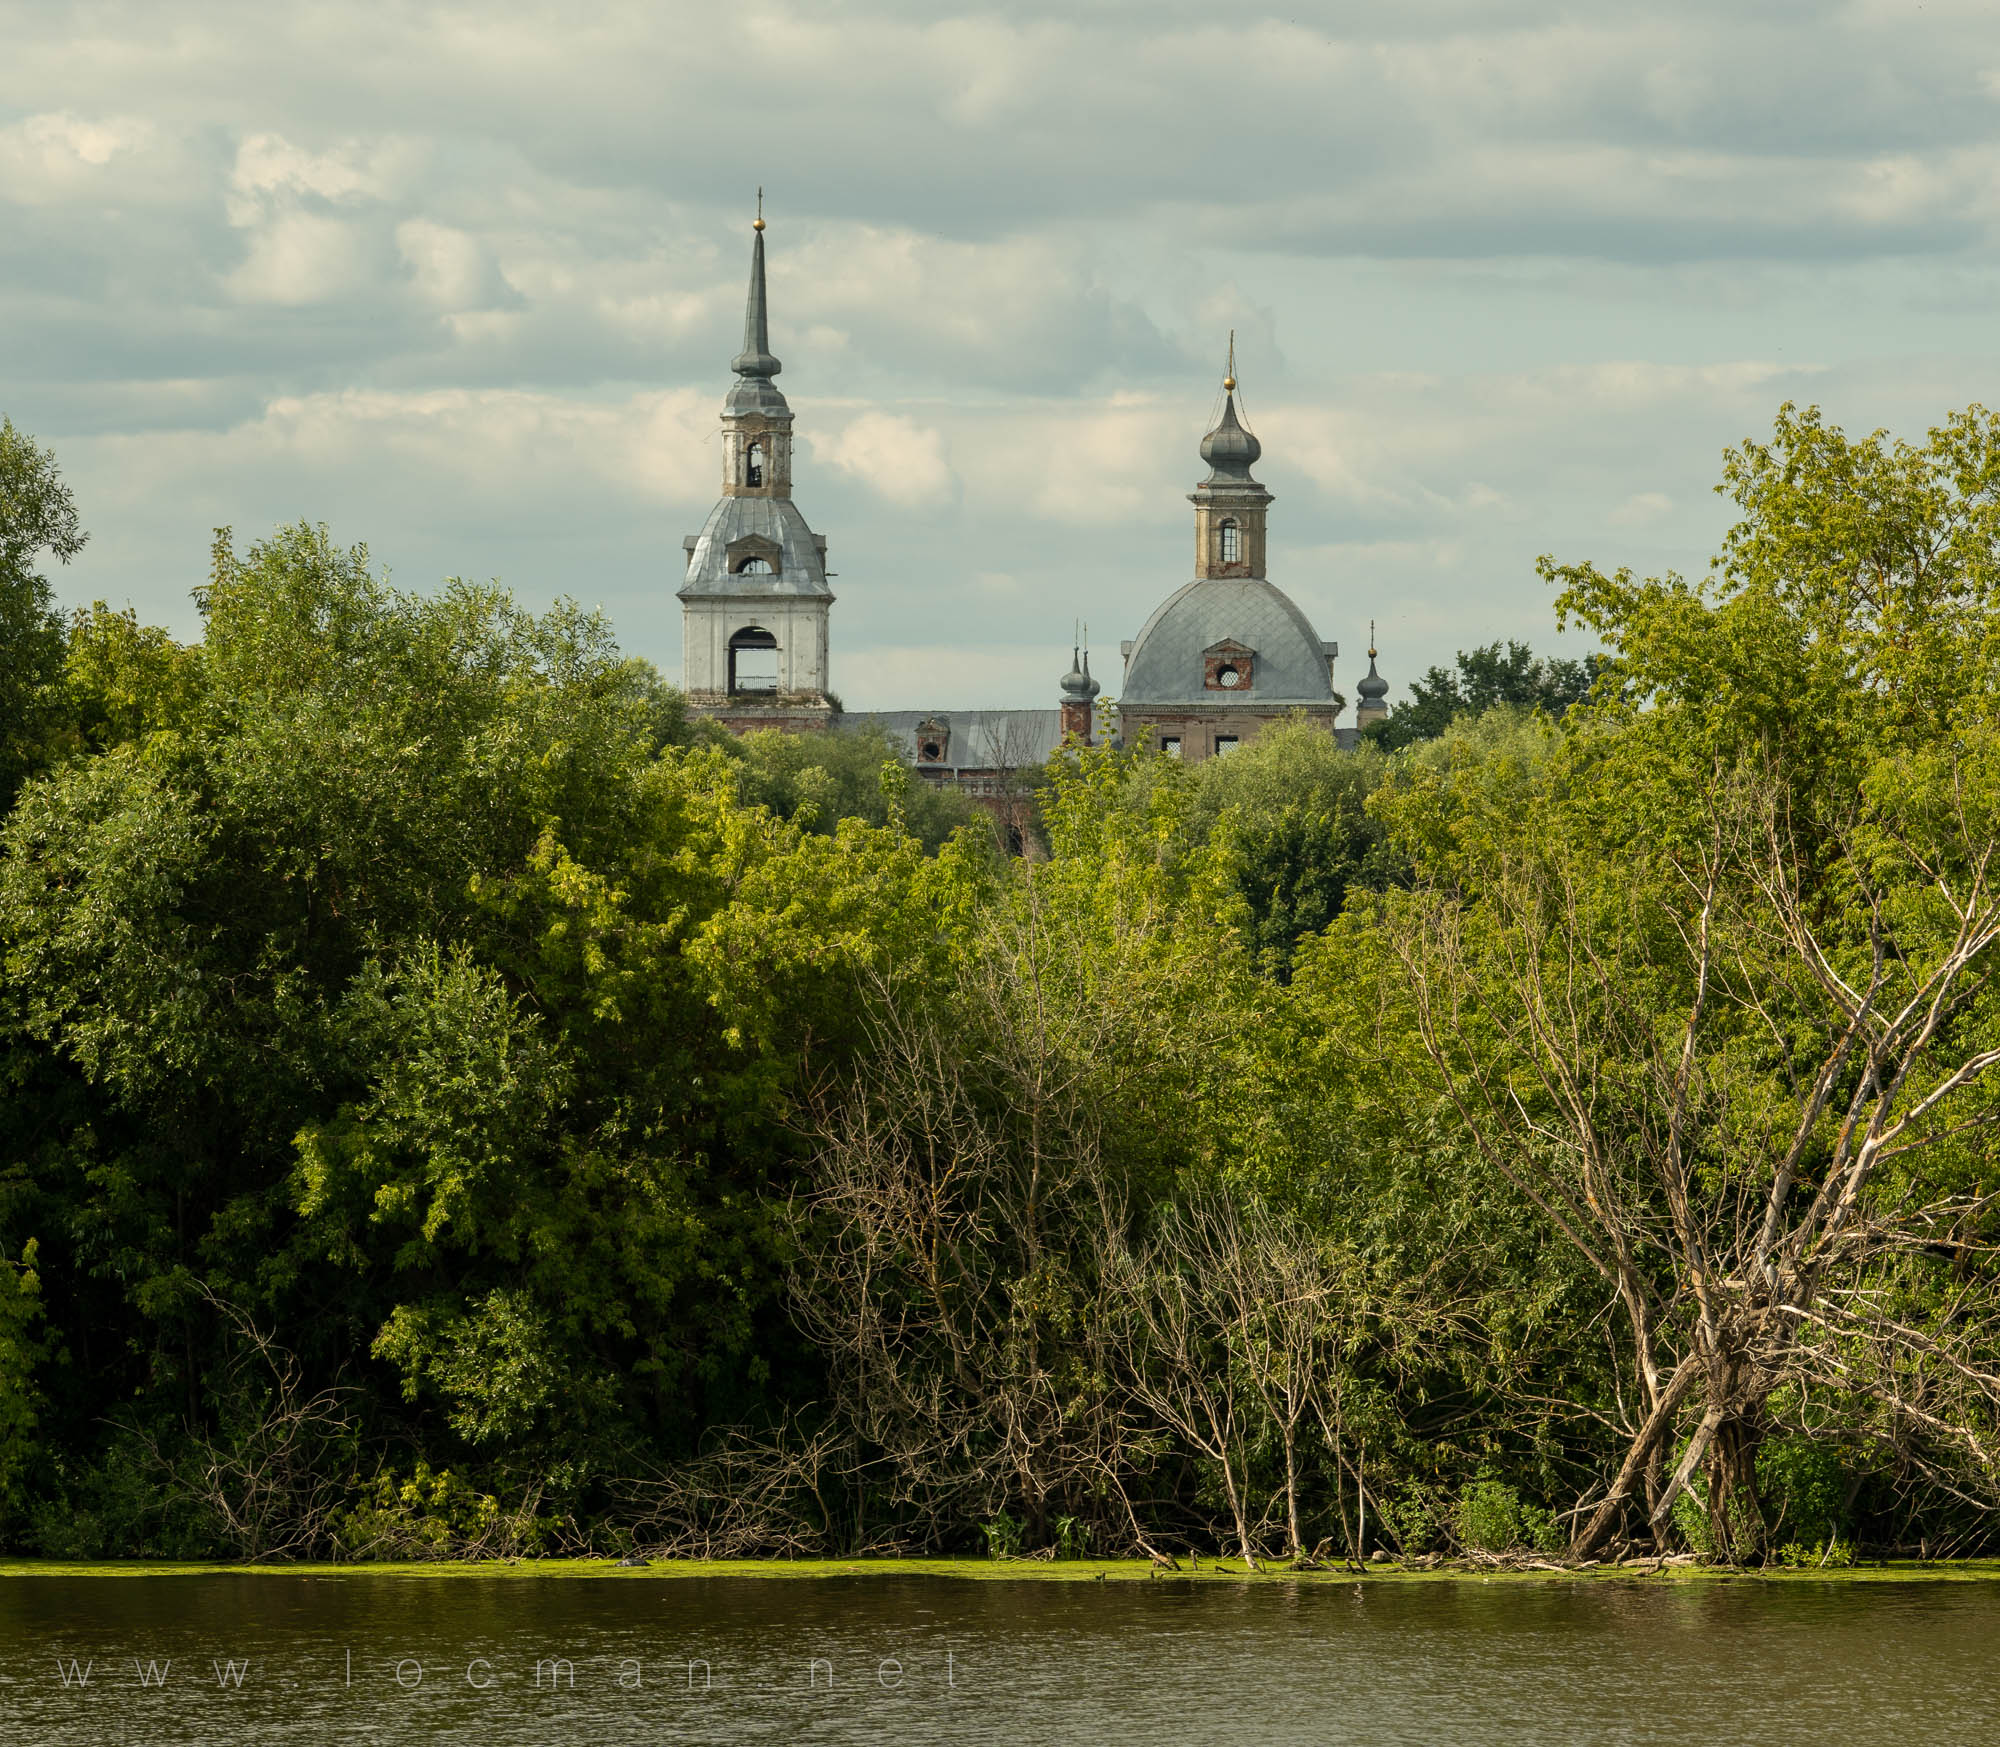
pixel 1229 379
pixel 1371 639
pixel 758 223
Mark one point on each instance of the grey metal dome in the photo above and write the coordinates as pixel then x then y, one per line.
pixel 1229 449
pixel 1166 664
pixel 1374 688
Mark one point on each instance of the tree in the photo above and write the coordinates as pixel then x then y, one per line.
pixel 1485 677
pixel 1710 981
pixel 390 975
pixel 822 778
pixel 37 515
pixel 1292 806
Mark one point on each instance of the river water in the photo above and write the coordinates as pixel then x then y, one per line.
pixel 270 1659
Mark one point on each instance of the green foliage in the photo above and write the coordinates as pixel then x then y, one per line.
pixel 1806 1490
pixel 435 1072
pixel 820 779
pixel 127 681
pixel 37 515
pixel 1003 1537
pixel 1292 806
pixel 1492 1517
pixel 437 1515
pixel 1486 679
pixel 21 1348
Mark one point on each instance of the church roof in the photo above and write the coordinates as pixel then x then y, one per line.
pixel 972 739
pixel 794 556
pixel 1165 665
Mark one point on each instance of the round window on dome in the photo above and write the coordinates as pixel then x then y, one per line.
pixel 1228 677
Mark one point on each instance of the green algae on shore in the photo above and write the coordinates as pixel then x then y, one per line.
pixel 1024 1571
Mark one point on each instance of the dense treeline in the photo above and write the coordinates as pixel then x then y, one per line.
pixel 454 1103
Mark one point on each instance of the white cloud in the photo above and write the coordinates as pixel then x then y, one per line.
pixel 893 456
pixel 450 268
pixel 46 160
pixel 299 258
pixel 270 168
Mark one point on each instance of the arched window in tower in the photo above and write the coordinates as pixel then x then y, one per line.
pixel 755 567
pixel 1229 543
pixel 753 463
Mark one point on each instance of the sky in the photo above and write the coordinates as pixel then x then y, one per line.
pixel 1506 279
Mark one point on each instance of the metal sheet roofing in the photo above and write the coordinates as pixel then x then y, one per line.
pixel 973 739
pixel 801 570
pixel 1165 665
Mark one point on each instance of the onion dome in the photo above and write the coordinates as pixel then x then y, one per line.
pixel 1229 449
pixel 1374 688
pixel 1077 685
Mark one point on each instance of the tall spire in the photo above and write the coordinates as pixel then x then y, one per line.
pixel 755 359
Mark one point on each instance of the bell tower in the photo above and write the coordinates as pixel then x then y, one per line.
pixel 1229 505
pixel 755 599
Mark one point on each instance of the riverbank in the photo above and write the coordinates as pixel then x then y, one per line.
pixel 1030 1571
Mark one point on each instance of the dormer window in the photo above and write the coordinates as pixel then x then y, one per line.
pixel 753 463
pixel 1229 543
pixel 1228 666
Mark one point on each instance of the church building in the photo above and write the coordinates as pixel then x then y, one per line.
pixel 1220 658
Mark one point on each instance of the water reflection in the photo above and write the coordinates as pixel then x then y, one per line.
pixel 277 1659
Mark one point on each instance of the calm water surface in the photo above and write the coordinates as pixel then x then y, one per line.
pixel 282 1659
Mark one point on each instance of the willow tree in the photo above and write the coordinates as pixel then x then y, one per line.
pixel 1711 981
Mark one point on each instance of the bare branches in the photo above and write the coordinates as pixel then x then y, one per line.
pixel 272 1473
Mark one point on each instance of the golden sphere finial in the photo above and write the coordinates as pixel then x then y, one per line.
pixel 1229 384
pixel 756 224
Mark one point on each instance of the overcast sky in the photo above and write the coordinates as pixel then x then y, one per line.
pixel 463 283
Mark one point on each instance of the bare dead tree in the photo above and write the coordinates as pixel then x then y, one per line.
pixel 1699 1076
pixel 1174 1295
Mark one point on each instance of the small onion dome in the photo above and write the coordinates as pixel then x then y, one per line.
pixel 1229 449
pixel 1077 685
pixel 1374 688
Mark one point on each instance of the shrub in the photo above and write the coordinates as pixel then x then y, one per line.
pixel 1493 1518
